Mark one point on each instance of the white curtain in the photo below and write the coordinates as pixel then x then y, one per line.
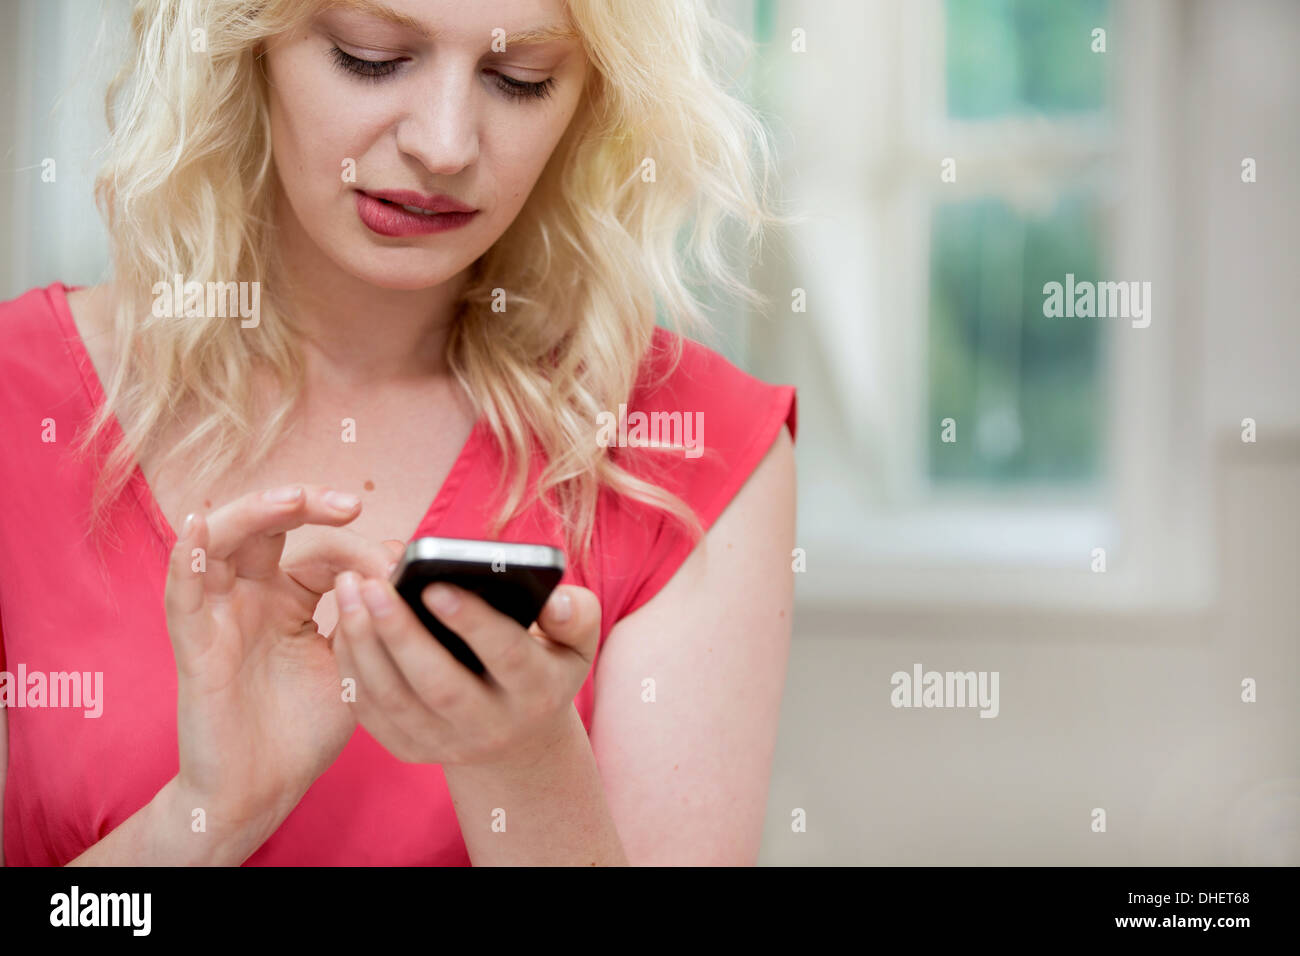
pixel 56 57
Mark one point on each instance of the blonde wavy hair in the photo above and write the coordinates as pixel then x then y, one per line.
pixel 188 185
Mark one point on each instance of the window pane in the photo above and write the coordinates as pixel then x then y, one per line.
pixel 1024 390
pixel 1017 56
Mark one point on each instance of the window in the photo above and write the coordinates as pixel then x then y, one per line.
pixel 924 282
pixel 1028 393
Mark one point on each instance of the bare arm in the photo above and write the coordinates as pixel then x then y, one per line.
pixel 259 715
pixel 686 776
pixel 161 834
pixel 156 835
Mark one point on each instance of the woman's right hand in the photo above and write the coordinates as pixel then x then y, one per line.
pixel 260 712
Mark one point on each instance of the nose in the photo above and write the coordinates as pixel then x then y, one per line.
pixel 439 122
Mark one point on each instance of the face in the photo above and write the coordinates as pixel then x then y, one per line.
pixel 386 114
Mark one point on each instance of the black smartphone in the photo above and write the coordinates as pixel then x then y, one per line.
pixel 516 579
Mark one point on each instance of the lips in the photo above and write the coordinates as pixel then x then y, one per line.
pixel 401 212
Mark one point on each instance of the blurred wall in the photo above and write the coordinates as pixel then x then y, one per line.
pixel 1139 714
pixel 58 56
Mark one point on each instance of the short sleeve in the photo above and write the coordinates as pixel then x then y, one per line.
pixel 729 420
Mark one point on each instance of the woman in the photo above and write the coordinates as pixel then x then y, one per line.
pixel 215 457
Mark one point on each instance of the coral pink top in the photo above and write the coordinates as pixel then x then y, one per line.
pixel 73 778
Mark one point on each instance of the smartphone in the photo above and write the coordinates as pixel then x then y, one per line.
pixel 516 579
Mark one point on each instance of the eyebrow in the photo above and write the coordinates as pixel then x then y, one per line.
pixel 522 38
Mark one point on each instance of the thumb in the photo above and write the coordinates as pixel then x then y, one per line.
pixel 396 548
pixel 571 616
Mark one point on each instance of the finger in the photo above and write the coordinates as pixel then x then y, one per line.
pixel 442 684
pixel 367 703
pixel 328 552
pixel 396 549
pixel 571 618
pixel 184 593
pixel 373 665
pixel 511 655
pixel 249 531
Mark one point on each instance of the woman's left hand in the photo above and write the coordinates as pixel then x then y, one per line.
pixel 424 706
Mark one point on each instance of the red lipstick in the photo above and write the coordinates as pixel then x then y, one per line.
pixel 386 212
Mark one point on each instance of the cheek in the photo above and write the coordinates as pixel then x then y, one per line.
pixel 316 126
pixel 519 152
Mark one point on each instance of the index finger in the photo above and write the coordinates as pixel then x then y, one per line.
pixel 250 530
pixel 331 551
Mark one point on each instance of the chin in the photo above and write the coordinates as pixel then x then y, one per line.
pixel 401 270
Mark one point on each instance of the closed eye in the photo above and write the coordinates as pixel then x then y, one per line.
pixel 370 69
pixel 520 90
pixel 378 69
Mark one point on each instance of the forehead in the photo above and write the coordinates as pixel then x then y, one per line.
pixel 524 22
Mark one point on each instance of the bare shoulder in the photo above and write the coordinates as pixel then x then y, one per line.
pixel 90 306
pixel 687 782
pixel 91 310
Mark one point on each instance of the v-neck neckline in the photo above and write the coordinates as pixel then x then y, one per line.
pixel 139 485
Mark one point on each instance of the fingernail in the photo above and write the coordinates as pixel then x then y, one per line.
pixel 349 594
pixel 288 493
pixel 342 501
pixel 188 526
pixel 561 607
pixel 376 598
pixel 441 599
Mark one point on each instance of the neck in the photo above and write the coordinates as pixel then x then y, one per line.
pixel 355 333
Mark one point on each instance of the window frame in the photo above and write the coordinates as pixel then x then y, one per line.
pixel 1152 514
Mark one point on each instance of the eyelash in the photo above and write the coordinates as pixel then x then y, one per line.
pixel 378 69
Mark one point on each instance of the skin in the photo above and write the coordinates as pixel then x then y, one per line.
pixel 683 781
